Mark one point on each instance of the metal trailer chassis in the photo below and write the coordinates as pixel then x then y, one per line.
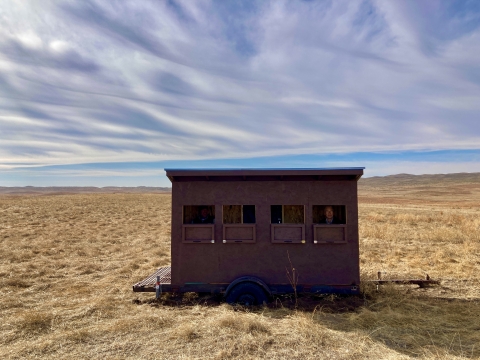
pixel 248 290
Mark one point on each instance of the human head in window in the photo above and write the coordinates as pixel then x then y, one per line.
pixel 329 215
pixel 203 216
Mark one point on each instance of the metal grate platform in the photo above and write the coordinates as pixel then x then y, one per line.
pixel 165 274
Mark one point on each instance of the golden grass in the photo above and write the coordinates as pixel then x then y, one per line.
pixel 67 264
pixel 232 214
pixel 293 214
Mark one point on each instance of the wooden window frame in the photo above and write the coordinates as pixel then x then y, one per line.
pixel 241 225
pixel 283 241
pixel 240 241
pixel 241 214
pixel 183 214
pixel 329 226
pixel 346 214
pixel 198 241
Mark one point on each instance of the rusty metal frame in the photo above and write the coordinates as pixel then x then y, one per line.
pixel 423 283
pixel 420 282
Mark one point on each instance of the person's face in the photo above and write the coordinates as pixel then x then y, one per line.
pixel 204 213
pixel 329 212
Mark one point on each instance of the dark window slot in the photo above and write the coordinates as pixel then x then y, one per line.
pixel 276 212
pixel 320 213
pixel 199 214
pixel 287 214
pixel 249 214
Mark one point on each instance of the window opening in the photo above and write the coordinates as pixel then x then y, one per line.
pixel 249 214
pixel 199 214
pixel 239 214
pixel 329 214
pixel 287 214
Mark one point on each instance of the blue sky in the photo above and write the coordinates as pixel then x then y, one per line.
pixel 110 93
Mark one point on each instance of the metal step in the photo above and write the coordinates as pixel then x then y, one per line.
pixel 165 274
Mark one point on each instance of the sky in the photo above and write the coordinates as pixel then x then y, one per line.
pixel 99 93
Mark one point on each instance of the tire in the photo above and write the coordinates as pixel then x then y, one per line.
pixel 247 294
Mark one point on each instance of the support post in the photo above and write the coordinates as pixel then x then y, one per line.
pixel 158 288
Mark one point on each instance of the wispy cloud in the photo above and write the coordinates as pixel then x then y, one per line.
pixel 97 81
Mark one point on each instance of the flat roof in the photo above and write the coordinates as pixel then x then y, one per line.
pixel 351 173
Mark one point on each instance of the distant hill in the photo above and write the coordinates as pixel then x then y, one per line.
pixel 26 190
pixel 421 180
pixel 399 180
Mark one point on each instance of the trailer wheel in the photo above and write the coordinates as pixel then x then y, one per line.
pixel 247 294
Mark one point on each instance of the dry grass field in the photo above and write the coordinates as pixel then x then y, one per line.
pixel 68 263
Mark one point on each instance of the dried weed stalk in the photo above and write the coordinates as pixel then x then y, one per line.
pixel 292 277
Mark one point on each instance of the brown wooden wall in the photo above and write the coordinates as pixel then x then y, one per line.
pixel 218 262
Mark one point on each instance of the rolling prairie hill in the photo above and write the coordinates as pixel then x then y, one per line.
pixel 392 182
pixel 461 189
pixel 32 190
pixel 416 180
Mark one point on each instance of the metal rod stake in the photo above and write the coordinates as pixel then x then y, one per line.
pixel 158 288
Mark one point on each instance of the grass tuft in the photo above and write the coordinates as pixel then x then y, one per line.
pixel 36 323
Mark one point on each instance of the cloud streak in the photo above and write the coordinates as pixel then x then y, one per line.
pixel 96 81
